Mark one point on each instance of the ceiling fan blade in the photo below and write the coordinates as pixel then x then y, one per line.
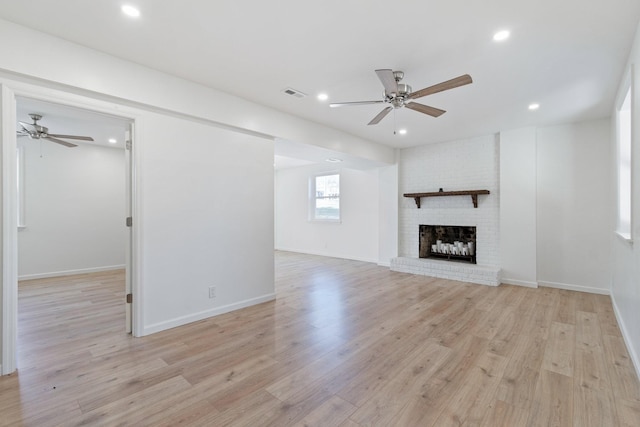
pixel 380 116
pixel 388 80
pixel 29 127
pixel 421 108
pixel 81 138
pixel 449 84
pixel 59 141
pixel 343 104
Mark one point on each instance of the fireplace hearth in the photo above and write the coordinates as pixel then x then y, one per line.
pixel 448 242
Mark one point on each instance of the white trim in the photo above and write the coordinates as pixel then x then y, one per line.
pixel 516 282
pixel 325 221
pixel 70 272
pixel 180 321
pixel 136 259
pixel 625 335
pixel 577 288
pixel 9 232
pixel 626 237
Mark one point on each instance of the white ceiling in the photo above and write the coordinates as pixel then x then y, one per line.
pixel 567 55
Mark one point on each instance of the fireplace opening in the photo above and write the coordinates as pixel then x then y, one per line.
pixel 448 242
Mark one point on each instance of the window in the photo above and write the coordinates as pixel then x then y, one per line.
pixel 325 198
pixel 624 167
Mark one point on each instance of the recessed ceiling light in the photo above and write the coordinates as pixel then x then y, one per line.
pixel 131 11
pixel 112 141
pixel 333 160
pixel 534 106
pixel 501 35
pixel 323 96
pixel 402 131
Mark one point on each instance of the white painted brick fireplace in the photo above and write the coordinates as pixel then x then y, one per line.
pixel 471 164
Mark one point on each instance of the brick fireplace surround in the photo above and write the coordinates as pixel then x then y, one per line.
pixel 458 165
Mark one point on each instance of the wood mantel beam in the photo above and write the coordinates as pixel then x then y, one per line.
pixel 473 193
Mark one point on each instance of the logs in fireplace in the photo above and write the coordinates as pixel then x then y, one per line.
pixel 448 242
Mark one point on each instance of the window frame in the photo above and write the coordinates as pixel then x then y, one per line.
pixel 624 162
pixel 313 198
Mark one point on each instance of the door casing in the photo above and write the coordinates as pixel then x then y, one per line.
pixel 9 90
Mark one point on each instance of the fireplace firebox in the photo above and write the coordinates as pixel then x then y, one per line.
pixel 448 242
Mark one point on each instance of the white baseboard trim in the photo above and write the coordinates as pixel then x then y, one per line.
pixel 326 254
pixel 625 335
pixel 577 288
pixel 516 282
pixel 385 264
pixel 70 272
pixel 180 321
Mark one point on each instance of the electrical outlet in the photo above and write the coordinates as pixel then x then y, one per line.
pixel 212 291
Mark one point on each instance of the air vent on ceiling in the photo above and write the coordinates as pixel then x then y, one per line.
pixel 294 92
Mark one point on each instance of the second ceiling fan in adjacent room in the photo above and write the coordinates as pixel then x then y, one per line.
pixel 36 131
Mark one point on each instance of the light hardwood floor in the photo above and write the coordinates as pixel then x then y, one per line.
pixel 345 344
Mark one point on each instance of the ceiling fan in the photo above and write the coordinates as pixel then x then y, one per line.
pixel 35 131
pixel 400 95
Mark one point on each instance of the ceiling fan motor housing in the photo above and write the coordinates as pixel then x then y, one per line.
pixel 397 99
pixel 38 130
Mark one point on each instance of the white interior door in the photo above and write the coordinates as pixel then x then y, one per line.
pixel 129 223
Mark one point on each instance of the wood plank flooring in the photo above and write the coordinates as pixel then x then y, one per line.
pixel 345 344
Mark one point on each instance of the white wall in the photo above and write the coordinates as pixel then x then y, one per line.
pixel 207 219
pixel 470 164
pixel 74 209
pixel 552 213
pixel 188 235
pixel 388 214
pixel 574 206
pixel 203 215
pixel 204 189
pixel 354 237
pixel 556 206
pixel 204 171
pixel 625 288
pixel 518 240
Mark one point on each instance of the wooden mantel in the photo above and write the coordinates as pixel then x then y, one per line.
pixel 472 193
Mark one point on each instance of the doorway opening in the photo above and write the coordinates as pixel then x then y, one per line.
pixel 74 246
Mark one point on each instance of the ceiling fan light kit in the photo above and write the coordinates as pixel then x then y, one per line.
pixel 36 131
pixel 400 94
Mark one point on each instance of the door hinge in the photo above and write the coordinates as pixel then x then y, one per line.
pixel 128 144
pixel 129 298
pixel 129 221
